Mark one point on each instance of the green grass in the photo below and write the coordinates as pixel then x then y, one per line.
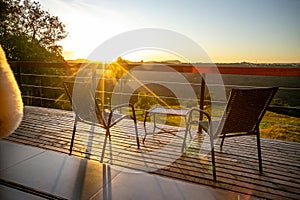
pixel 280 127
pixel 273 126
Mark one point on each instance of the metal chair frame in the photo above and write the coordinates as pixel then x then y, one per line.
pixel 243 114
pixel 94 112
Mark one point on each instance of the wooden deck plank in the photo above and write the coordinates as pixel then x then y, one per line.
pixel 237 165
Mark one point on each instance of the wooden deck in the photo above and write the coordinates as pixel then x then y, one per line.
pixel 237 166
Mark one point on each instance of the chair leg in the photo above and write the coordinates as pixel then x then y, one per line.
pixel 145 127
pixel 104 145
pixel 108 133
pixel 73 137
pixel 222 142
pixel 136 129
pixel 145 135
pixel 184 138
pixel 213 162
pixel 259 153
pixel 136 135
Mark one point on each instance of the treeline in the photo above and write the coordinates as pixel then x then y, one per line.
pixel 30 33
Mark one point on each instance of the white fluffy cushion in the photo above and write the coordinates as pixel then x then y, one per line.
pixel 11 105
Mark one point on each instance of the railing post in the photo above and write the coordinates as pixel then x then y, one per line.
pixel 201 100
pixel 18 76
pixel 41 91
pixel 94 78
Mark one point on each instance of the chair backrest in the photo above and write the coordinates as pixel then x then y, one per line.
pixel 246 108
pixel 82 98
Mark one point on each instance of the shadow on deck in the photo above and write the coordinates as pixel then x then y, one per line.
pixel 237 166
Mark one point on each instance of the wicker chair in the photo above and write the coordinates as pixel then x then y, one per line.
pixel 243 114
pixel 88 109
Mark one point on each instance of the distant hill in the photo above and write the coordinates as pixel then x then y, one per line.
pixel 79 60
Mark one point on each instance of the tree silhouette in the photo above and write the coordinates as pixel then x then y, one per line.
pixel 27 32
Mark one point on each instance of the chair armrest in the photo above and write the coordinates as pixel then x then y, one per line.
pixel 205 124
pixel 125 105
pixel 128 105
pixel 200 111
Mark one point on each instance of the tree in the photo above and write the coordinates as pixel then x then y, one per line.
pixel 27 32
